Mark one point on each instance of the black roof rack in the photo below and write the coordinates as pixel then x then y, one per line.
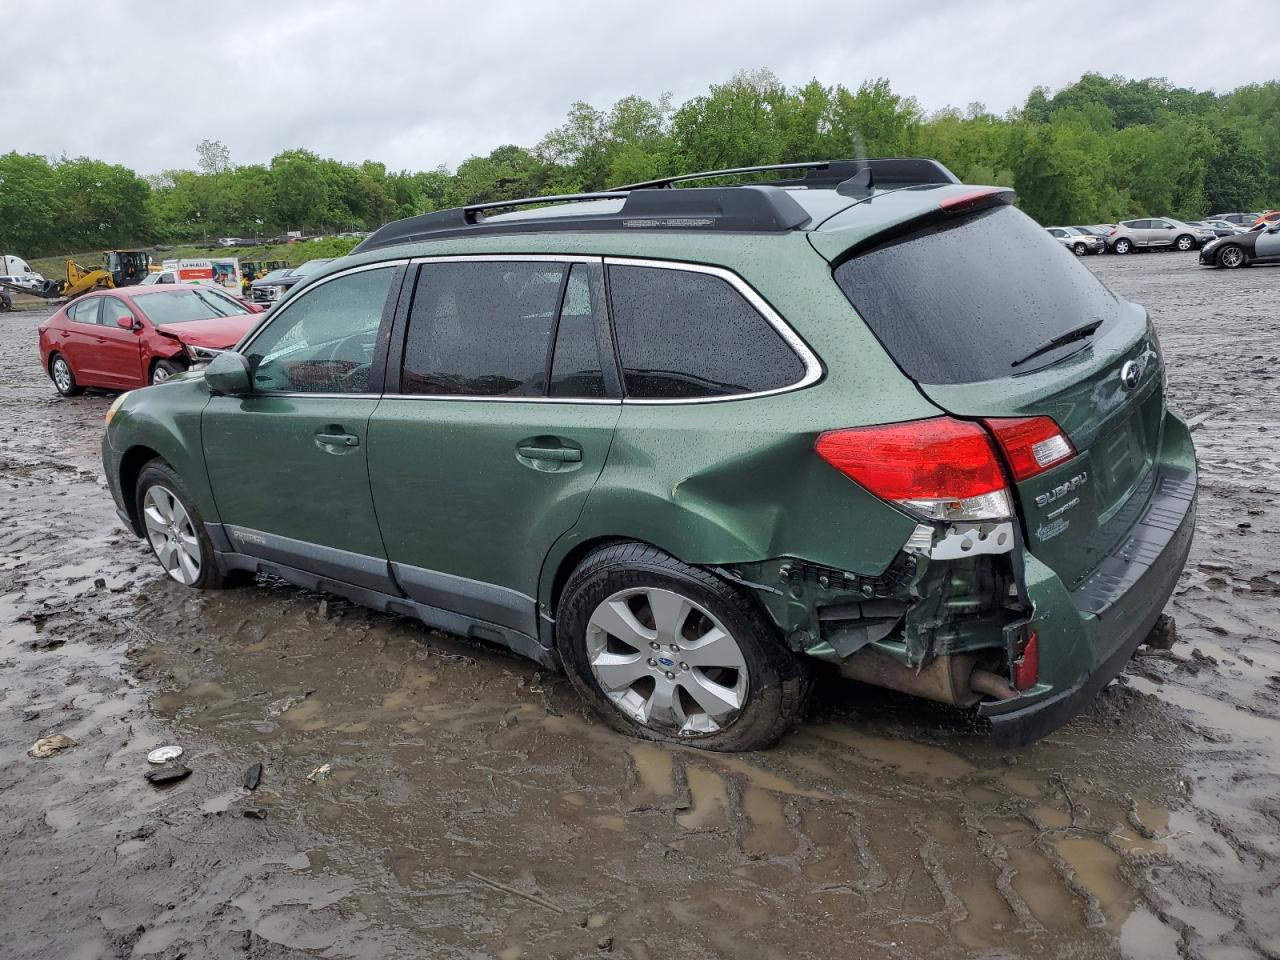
pixel 750 208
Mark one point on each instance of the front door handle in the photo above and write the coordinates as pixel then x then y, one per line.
pixel 556 454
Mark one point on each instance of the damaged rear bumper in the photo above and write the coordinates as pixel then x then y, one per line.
pixel 1103 620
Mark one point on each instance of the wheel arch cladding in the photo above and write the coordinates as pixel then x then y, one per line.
pixel 131 464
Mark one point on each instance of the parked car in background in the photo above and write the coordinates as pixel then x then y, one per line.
pixel 139 335
pixel 1225 228
pixel 907 437
pixel 277 283
pixel 1271 216
pixel 1095 230
pixel 1245 220
pixel 1076 240
pixel 1260 245
pixel 17 271
pixel 1156 233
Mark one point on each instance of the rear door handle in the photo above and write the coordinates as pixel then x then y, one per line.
pixel 557 454
pixel 338 439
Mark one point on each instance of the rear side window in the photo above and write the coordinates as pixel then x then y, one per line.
pixel 482 328
pixel 86 311
pixel 962 302
pixel 686 335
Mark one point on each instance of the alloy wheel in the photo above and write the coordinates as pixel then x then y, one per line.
pixel 666 662
pixel 1185 243
pixel 62 378
pixel 1231 257
pixel 171 534
pixel 159 375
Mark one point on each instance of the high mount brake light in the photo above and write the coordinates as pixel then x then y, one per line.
pixel 941 469
pixel 1031 445
pixel 977 200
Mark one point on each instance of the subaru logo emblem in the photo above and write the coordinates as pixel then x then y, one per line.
pixel 1130 374
pixel 666 661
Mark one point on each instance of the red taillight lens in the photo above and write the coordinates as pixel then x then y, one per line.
pixel 1026 669
pixel 977 200
pixel 1031 445
pixel 944 468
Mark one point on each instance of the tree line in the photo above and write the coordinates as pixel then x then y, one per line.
pixel 1099 150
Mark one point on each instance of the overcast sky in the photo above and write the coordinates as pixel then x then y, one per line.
pixel 417 84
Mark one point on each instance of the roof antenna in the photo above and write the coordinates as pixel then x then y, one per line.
pixel 859 185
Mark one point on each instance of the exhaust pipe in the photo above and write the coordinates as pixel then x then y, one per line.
pixel 953 678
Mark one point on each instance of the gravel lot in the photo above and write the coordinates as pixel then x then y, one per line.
pixel 473 810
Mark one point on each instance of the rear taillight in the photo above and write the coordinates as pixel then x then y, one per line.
pixel 1031 445
pixel 1026 666
pixel 941 469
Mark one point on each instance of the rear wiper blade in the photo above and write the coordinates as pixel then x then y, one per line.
pixel 1078 333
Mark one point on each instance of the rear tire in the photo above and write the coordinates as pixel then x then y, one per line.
pixel 64 378
pixel 174 529
pixel 702 667
pixel 1122 246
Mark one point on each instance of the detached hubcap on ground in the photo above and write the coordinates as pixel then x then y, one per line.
pixel 666 662
pixel 172 535
pixel 61 375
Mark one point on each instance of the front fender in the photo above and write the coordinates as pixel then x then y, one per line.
pixel 161 421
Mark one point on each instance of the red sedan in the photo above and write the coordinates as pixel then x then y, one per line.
pixel 121 339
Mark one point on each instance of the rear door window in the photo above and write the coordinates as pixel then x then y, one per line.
pixel 691 335
pixel 482 328
pixel 577 368
pixel 961 302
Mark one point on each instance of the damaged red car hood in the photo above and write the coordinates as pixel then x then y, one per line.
pixel 217 333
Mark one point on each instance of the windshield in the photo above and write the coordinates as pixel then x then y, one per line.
pixel 191 303
pixel 962 301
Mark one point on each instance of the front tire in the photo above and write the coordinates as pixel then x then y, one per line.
pixel 1185 242
pixel 64 378
pixel 665 651
pixel 174 529
pixel 164 369
pixel 1231 257
pixel 1122 246
pixel 1078 249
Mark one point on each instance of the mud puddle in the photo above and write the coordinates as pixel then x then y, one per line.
pixel 471 808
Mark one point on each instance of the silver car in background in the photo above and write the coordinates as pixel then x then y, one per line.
pixel 1076 240
pixel 1157 233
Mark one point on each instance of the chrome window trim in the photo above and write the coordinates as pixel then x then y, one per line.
pixel 511 257
pixel 284 311
pixel 812 365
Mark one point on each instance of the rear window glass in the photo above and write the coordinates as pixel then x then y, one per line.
pixel 189 304
pixel 685 335
pixel 963 302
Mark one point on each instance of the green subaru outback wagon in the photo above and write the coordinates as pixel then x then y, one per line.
pixel 686 440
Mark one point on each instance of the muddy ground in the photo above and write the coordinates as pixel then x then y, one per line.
pixel 473 810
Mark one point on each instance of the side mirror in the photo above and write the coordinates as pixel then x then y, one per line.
pixel 228 375
pixel 128 323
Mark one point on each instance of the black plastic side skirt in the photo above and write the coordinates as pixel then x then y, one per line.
pixel 432 616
